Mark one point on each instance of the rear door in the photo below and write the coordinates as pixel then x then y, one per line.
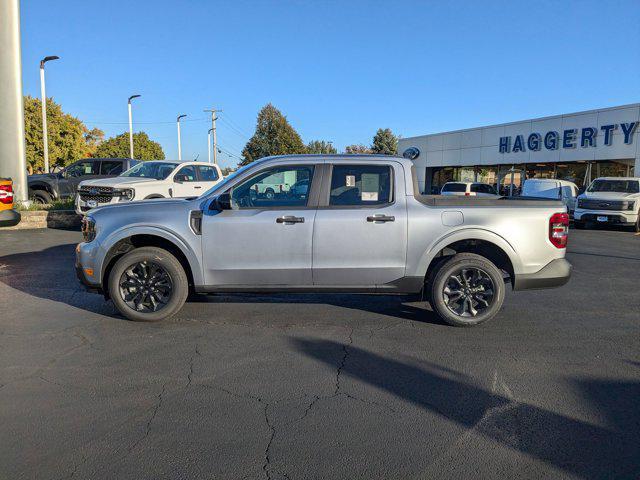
pixel 208 176
pixel 360 235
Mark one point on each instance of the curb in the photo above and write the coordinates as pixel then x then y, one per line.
pixel 62 219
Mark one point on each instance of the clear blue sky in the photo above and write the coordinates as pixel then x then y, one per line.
pixel 338 70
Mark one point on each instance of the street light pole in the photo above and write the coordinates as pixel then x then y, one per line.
pixel 131 126
pixel 213 129
pixel 45 140
pixel 209 144
pixel 179 146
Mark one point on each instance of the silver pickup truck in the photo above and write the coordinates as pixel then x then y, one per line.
pixel 360 227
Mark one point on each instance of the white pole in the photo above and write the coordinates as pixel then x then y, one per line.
pixel 12 155
pixel 215 142
pixel 179 147
pixel 45 140
pixel 130 132
pixel 209 146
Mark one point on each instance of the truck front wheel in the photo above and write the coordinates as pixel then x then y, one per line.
pixel 467 290
pixel 148 284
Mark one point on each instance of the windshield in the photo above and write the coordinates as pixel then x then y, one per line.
pixel 157 170
pixel 622 186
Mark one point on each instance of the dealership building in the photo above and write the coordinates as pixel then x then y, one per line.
pixel 575 146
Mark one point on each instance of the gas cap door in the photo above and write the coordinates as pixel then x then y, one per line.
pixel 452 218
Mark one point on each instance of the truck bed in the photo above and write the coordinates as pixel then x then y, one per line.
pixel 461 201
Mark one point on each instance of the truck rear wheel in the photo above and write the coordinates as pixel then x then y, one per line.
pixel 467 290
pixel 148 284
pixel 42 197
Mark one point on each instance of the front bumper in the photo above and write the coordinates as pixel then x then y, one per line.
pixel 615 217
pixel 554 274
pixel 87 273
pixel 9 218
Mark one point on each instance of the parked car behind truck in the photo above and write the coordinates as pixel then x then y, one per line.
pixel 610 201
pixel 148 180
pixel 552 188
pixel 362 227
pixel 62 185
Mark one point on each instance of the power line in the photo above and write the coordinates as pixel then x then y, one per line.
pixel 235 125
pixel 145 123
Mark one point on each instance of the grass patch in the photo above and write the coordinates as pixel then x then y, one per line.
pixel 55 205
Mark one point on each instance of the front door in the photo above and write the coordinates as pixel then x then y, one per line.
pixel 186 183
pixel 263 240
pixel 360 235
pixel 70 177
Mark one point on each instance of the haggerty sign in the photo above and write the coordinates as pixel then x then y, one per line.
pixel 570 138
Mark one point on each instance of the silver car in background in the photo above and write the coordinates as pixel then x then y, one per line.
pixel 361 226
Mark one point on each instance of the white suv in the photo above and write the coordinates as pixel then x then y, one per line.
pixel 610 200
pixel 152 179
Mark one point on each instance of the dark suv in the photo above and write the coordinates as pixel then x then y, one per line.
pixel 63 184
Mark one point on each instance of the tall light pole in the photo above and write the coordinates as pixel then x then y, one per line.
pixel 209 144
pixel 45 140
pixel 131 126
pixel 213 128
pixel 179 146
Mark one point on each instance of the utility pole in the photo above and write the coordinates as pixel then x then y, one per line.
pixel 131 126
pixel 209 145
pixel 213 129
pixel 12 156
pixel 179 146
pixel 45 139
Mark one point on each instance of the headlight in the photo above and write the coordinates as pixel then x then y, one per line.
pixel 88 229
pixel 631 205
pixel 125 193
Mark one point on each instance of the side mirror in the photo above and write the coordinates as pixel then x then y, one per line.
pixel 180 178
pixel 221 202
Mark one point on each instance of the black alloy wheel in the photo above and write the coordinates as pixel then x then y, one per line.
pixel 469 292
pixel 146 287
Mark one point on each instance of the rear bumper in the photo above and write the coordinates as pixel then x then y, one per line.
pixel 9 218
pixel 555 274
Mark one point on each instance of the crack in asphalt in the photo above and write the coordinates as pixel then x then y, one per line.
pixel 149 422
pixel 191 360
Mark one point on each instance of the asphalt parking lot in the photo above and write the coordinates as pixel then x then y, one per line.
pixel 309 386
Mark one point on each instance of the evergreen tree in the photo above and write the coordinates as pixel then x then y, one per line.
pixel 385 142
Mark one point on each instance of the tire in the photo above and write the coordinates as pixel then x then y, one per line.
pixel 42 197
pixel 152 196
pixel 270 193
pixel 131 269
pixel 480 277
pixel 578 225
pixel 636 228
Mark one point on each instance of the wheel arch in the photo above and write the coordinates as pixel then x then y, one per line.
pixel 482 242
pixel 34 187
pixel 130 239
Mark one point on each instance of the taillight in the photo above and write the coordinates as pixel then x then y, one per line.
pixel 6 194
pixel 559 229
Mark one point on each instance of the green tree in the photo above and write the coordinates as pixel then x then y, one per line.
pixel 274 136
pixel 118 147
pixel 385 142
pixel 357 149
pixel 320 146
pixel 69 138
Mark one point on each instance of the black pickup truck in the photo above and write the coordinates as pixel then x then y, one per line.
pixel 62 185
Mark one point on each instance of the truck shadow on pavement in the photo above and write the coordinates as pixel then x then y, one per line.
pixel 50 274
pixel 572 445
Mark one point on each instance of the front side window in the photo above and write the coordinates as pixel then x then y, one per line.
pixel 360 185
pixel 81 169
pixel 186 174
pixel 273 188
pixel 110 167
pixel 207 174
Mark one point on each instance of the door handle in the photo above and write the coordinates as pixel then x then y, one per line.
pixel 381 218
pixel 197 186
pixel 290 219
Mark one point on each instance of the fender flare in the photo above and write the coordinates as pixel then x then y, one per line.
pixel 32 187
pixel 129 231
pixel 471 233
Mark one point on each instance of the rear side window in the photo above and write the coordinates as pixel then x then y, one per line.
pixel 110 167
pixel 207 174
pixel 482 188
pixel 360 185
pixel 455 187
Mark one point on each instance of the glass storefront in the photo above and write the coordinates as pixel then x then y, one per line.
pixel 509 179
